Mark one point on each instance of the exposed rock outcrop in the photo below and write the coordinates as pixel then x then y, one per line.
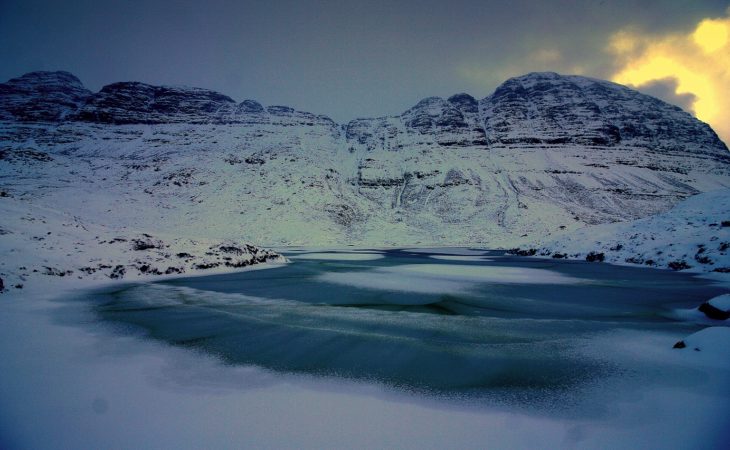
pixel 41 96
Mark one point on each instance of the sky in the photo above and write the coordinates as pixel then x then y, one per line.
pixel 350 59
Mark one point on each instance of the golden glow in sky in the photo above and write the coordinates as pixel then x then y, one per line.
pixel 711 35
pixel 699 62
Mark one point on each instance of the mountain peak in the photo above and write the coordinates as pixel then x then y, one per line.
pixel 41 96
pixel 250 106
pixel 429 103
pixel 464 103
pixel 546 75
pixel 46 78
pixel 549 108
pixel 135 102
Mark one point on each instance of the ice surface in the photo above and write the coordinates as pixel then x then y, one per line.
pixel 488 274
pixel 389 280
pixel 353 256
pixel 448 251
pixel 444 278
pixel 460 258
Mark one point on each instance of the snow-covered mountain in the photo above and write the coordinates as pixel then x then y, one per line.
pixel 694 236
pixel 542 154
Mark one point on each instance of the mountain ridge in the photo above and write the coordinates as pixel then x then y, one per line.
pixel 543 155
pixel 152 104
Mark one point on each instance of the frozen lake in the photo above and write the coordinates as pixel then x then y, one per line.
pixel 455 322
pixel 412 348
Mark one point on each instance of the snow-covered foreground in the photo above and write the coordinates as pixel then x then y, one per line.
pixel 70 381
pixel 65 387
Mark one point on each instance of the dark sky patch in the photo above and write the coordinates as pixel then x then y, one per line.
pixel 345 59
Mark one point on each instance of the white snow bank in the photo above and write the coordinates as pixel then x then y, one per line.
pixel 697 315
pixel 694 315
pixel 721 302
pixel 710 347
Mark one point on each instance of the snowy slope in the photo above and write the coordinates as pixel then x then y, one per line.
pixel 694 236
pixel 42 247
pixel 544 153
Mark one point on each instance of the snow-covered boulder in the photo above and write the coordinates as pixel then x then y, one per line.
pixel 717 308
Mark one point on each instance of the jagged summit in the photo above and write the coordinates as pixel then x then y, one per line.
pixel 465 103
pixel 548 108
pixel 133 102
pixel 537 77
pixel 46 78
pixel 41 96
pixel 60 96
pixel 249 106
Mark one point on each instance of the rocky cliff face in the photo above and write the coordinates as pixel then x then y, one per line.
pixel 41 96
pixel 60 97
pixel 542 154
pixel 538 108
pixel 593 150
pixel 547 108
pixel 125 103
pixel 552 109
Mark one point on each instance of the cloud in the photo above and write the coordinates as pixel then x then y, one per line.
pixel 666 89
pixel 550 59
pixel 548 56
pixel 697 63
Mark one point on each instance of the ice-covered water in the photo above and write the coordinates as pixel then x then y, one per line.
pixel 339 256
pixel 506 326
pixel 578 356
